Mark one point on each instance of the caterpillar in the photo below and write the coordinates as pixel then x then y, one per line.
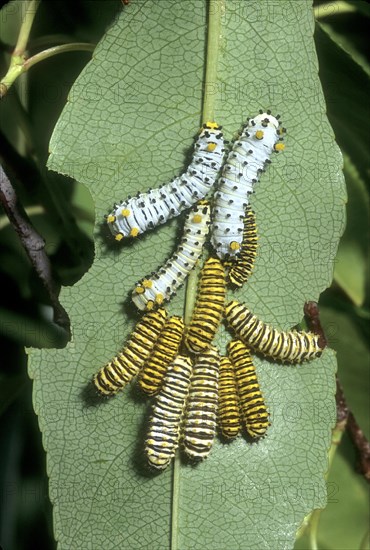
pixel 228 401
pixel 165 351
pixel 121 369
pixel 291 346
pixel 159 287
pixel 164 425
pixel 246 161
pixel 147 210
pixel 201 409
pixel 252 404
pixel 209 307
pixel 242 267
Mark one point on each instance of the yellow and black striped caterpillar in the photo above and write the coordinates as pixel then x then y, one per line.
pixel 228 400
pixel 165 351
pixel 253 408
pixel 292 346
pixel 119 371
pixel 209 307
pixel 199 427
pixel 165 423
pixel 242 267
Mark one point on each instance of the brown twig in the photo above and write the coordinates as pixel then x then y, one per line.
pixel 345 417
pixel 361 445
pixel 311 311
pixel 34 246
pixel 346 421
pixel 342 407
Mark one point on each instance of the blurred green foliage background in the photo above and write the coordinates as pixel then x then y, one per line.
pixel 27 117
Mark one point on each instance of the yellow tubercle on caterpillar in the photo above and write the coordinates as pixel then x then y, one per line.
pixel 147 283
pixel 259 134
pixel 111 218
pixel 197 218
pixel 126 212
pixel 234 245
pixel 134 232
pixel 211 147
pixel 279 147
pixel 119 237
pixel 159 299
pixel 139 290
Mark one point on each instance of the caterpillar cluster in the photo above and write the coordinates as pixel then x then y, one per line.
pixel 212 391
pixel 194 389
pixel 194 395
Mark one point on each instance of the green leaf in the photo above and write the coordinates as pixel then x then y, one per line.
pixel 353 253
pixel 345 108
pixel 349 340
pixel 128 125
pixel 344 43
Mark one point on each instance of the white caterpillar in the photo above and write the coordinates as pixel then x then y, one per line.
pixel 147 210
pixel 199 425
pixel 152 291
pixel 168 410
pixel 245 162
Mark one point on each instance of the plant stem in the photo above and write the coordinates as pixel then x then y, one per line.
pixel 25 29
pixel 365 543
pixel 20 65
pixel 50 52
pixel 30 211
pixel 34 246
pixel 175 503
pixel 215 10
pixel 314 524
pixel 333 8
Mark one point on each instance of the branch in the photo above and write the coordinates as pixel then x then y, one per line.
pixel 361 445
pixel 34 246
pixel 26 26
pixel 311 311
pixel 346 419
